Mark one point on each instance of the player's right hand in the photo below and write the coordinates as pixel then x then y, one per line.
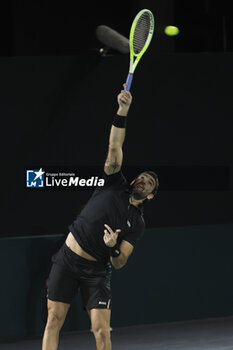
pixel 110 236
pixel 124 98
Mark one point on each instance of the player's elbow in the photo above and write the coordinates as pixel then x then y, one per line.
pixel 118 266
pixel 114 146
pixel 119 262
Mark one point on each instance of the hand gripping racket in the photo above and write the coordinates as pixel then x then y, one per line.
pixel 141 33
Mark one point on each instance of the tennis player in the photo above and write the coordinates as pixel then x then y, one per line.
pixel 105 231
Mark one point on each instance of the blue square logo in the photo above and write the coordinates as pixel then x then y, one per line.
pixel 35 178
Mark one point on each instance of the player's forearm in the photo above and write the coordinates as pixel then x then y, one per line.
pixel 117 137
pixel 123 111
pixel 117 134
pixel 119 261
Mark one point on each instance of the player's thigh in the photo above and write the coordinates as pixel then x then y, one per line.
pixel 57 311
pixel 100 319
pixel 62 284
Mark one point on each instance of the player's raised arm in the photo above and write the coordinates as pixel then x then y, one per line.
pixel 117 134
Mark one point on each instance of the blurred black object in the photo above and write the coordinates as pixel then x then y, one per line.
pixel 112 39
pixel 43 28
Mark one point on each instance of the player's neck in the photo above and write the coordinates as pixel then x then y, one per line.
pixel 135 202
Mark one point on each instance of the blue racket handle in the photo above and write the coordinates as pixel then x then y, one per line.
pixel 129 81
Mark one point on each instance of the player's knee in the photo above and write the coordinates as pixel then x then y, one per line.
pixel 102 334
pixel 54 322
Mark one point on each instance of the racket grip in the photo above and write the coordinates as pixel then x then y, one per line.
pixel 129 81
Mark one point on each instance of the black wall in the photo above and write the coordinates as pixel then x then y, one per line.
pixel 58 111
pixel 68 28
pixel 174 274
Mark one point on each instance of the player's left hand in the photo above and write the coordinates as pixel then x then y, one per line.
pixel 110 236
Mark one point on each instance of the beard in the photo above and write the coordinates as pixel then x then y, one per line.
pixel 137 194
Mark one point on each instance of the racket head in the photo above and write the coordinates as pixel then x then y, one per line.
pixel 141 33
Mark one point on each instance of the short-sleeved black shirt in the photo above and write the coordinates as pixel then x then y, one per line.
pixel 108 205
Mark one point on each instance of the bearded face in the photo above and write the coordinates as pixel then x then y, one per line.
pixel 142 186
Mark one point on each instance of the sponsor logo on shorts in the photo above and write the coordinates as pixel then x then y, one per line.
pixel 102 303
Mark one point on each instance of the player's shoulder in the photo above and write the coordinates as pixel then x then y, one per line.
pixel 112 182
pixel 117 178
pixel 141 225
pixel 141 221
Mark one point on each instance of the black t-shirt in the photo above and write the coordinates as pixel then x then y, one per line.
pixel 109 205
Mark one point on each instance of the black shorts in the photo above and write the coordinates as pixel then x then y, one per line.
pixel 71 273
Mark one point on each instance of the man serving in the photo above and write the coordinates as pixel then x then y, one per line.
pixel 105 231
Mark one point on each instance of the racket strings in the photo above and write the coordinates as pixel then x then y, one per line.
pixel 141 32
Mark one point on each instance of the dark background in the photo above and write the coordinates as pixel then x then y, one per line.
pixel 57 102
pixel 58 98
pixel 67 28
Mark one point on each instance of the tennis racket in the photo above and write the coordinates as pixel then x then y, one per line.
pixel 141 33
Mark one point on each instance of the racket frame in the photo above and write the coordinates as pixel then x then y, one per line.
pixel 134 62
